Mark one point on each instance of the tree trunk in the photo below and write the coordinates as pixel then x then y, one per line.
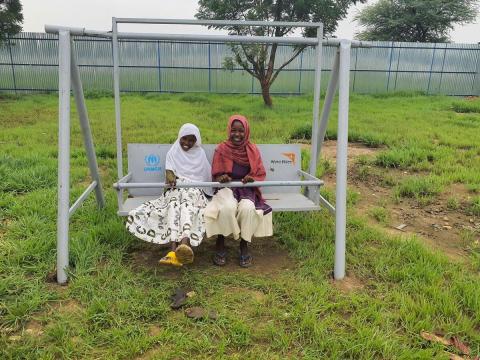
pixel 266 93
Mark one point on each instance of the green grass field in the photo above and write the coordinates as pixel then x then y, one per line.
pixel 116 304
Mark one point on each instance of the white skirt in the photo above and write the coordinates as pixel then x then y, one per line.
pixel 224 215
pixel 173 216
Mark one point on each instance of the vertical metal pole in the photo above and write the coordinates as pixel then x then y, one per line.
pixel 116 91
pixel 159 67
pixel 85 126
pixel 300 75
pixel 398 64
pixel 316 101
pixel 342 147
pixel 327 104
pixel 355 69
pixel 63 154
pixel 443 66
pixel 431 68
pixel 11 62
pixel 390 65
pixel 209 70
pixel 476 77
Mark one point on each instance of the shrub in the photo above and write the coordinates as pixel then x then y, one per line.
pixel 303 132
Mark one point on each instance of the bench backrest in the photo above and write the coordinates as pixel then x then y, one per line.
pixel 146 162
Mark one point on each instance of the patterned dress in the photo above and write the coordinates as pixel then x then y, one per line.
pixel 177 214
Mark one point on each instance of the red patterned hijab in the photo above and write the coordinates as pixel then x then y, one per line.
pixel 246 153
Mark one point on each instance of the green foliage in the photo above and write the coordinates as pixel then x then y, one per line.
pixel 259 59
pixel 413 20
pixel 404 157
pixel 466 106
pixel 97 94
pixel 303 132
pixel 380 214
pixel 117 306
pixel 420 188
pixel 475 206
pixel 453 203
pixel 11 18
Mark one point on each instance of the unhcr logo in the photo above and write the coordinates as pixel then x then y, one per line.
pixel 151 163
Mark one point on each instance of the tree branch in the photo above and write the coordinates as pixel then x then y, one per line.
pixel 297 52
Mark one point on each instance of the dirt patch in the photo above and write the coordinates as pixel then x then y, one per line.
pixel 34 329
pixel 268 258
pixel 329 150
pixel 256 295
pixel 154 330
pixel 438 225
pixel 67 307
pixel 441 226
pixel 348 284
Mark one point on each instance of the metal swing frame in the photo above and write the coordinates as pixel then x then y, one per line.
pixel 69 79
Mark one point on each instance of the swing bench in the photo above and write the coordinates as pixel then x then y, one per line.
pixel 282 188
pixel 286 187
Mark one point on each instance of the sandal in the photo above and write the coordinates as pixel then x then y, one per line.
pixel 184 254
pixel 170 259
pixel 245 260
pixel 220 258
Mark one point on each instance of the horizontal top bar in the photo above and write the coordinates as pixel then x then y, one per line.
pixel 217 22
pixel 204 38
pixel 123 185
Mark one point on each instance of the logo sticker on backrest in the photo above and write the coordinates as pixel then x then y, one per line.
pixel 290 156
pixel 291 160
pixel 152 161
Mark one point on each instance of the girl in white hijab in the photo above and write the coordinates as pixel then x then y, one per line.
pixel 176 217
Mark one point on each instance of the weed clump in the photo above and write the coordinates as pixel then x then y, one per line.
pixel 422 189
pixel 475 206
pixel 303 132
pixel 380 214
pixel 97 94
pixel 466 107
pixel 403 157
pixel 195 99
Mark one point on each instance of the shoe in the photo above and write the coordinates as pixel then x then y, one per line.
pixel 170 259
pixel 184 254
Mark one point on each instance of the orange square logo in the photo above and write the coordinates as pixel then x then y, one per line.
pixel 290 156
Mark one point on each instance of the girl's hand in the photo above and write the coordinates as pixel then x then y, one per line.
pixel 223 178
pixel 248 179
pixel 170 178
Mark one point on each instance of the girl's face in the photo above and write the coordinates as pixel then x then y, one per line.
pixel 187 142
pixel 237 133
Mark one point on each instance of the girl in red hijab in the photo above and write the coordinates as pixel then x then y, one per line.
pixel 240 212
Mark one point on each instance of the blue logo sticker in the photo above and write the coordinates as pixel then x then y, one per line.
pixel 151 162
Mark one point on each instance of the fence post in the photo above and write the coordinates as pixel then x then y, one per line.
pixel 390 65
pixel 300 75
pixel 398 65
pixel 441 71
pixel 355 70
pixel 11 62
pixel 209 69
pixel 431 68
pixel 158 65
pixel 476 77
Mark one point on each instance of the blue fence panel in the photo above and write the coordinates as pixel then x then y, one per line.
pixel 29 62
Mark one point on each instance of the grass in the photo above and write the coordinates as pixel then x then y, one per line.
pixel 114 309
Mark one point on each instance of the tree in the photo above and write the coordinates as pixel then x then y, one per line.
pixel 11 18
pixel 414 20
pixel 259 59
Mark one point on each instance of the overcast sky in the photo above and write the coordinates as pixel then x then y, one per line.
pixel 97 15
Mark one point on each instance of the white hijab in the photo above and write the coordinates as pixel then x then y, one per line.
pixel 192 164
